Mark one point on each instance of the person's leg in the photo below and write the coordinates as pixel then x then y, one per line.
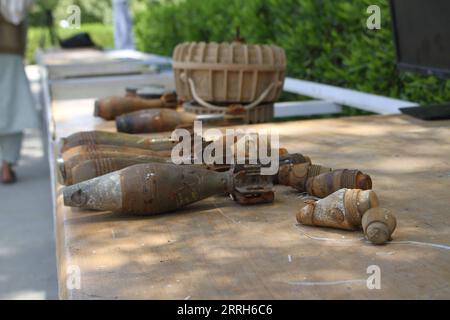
pixel 10 146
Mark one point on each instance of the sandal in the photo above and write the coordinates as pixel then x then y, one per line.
pixel 11 180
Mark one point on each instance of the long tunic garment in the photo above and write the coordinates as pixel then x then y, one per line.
pixel 17 110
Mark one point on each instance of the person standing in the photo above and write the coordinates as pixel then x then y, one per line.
pixel 17 111
pixel 123 26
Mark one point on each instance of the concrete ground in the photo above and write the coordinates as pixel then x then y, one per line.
pixel 27 244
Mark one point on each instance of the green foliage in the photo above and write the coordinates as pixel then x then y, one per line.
pixel 325 41
pixel 92 11
pixel 101 34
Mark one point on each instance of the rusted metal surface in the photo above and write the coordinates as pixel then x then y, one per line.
pixel 250 187
pixel 297 174
pixel 154 120
pixel 155 188
pixel 78 155
pixel 122 151
pixel 218 238
pixel 116 139
pixel 83 167
pixel 90 169
pixel 111 107
pixel 342 209
pixel 378 225
pixel 325 184
pixel 149 189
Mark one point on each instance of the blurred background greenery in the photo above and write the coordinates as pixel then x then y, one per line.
pixel 96 19
pixel 325 41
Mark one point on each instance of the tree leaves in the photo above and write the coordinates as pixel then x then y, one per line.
pixel 325 41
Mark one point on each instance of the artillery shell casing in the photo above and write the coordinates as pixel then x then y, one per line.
pixel 326 183
pixel 296 174
pixel 342 209
pixel 90 169
pixel 66 166
pixel 146 189
pixel 155 120
pixel 111 107
pixel 378 225
pixel 116 139
pixel 115 150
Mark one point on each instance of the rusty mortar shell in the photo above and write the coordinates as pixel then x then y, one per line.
pixel 66 164
pixel 78 154
pixel 146 189
pixel 325 184
pixel 297 174
pixel 155 120
pixel 120 151
pixel 342 209
pixel 378 225
pixel 116 139
pixel 90 169
pixel 111 107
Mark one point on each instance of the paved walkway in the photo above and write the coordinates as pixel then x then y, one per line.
pixel 27 245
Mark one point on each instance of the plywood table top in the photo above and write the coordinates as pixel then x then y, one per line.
pixel 216 249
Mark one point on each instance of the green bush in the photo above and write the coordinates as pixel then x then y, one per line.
pixel 325 41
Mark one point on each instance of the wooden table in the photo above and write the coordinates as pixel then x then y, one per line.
pixel 90 73
pixel 216 249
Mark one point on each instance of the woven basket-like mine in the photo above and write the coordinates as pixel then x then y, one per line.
pixel 229 72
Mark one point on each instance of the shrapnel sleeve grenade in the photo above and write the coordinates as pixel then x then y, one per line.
pixel 318 180
pixel 343 209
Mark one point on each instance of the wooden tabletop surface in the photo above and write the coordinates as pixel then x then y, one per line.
pixel 216 249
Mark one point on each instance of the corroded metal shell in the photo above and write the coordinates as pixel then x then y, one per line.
pixel 111 107
pixel 148 189
pixel 115 139
pixel 378 225
pixel 90 169
pixel 326 183
pixel 342 209
pixel 77 155
pixel 296 174
pixel 154 120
